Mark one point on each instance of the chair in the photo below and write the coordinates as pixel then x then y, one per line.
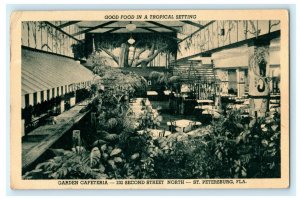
pixel 162 133
pixel 192 125
pixel 173 126
pixel 178 129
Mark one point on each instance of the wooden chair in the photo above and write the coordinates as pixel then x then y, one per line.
pixel 162 133
pixel 192 125
pixel 173 126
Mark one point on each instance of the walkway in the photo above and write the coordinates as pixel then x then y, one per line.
pixel 43 137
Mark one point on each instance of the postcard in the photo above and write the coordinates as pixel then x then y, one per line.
pixel 149 99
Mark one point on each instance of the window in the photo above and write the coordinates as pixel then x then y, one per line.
pixel 149 82
pixel 57 91
pixel 53 92
pixel 62 90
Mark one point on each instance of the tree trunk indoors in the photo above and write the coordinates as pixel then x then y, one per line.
pixel 123 59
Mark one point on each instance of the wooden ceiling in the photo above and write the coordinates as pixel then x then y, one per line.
pixel 141 26
pixel 159 27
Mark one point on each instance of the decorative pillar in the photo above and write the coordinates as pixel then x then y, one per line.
pixel 258 81
pixel 240 82
pixel 23 127
pixel 62 106
pixel 45 95
pixel 23 101
pixel 38 95
pixel 31 99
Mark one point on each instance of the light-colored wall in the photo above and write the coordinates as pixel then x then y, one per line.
pixel 238 59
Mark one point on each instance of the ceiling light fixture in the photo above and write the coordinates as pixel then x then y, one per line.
pixel 130 27
pixel 131 40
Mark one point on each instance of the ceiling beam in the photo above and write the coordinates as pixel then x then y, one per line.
pixel 62 31
pixel 112 30
pixel 160 33
pixel 67 24
pixel 193 23
pixel 202 27
pixel 94 28
pixel 125 27
pixel 164 26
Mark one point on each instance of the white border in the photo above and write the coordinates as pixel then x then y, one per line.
pixel 4 85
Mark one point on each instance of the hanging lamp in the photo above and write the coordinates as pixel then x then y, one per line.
pixel 130 27
pixel 131 40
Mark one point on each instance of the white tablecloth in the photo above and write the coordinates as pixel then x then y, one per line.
pixel 204 101
pixel 185 125
pixel 152 93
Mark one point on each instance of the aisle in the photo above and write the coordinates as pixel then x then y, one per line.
pixel 41 138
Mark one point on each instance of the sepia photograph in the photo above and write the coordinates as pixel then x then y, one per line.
pixel 164 99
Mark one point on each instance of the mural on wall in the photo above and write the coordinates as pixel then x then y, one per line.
pixel 223 76
pixel 145 50
pixel 42 36
pixel 220 33
pixel 258 81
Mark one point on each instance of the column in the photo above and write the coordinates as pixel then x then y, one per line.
pixel 45 95
pixel 38 97
pixel 240 82
pixel 23 101
pixel 259 90
pixel 31 99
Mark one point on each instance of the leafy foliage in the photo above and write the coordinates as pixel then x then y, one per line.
pixel 65 165
pixel 241 152
pixel 228 148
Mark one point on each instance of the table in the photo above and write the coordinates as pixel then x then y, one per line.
pixel 203 108
pixel 239 100
pixel 185 125
pixel 246 102
pixel 155 133
pixel 204 101
pixel 152 93
pixel 237 106
pixel 228 95
pixel 167 92
pixel 214 112
pixel 204 104
pixel 138 102
pixel 181 95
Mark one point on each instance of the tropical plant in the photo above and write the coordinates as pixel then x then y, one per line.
pixel 75 164
pixel 175 83
pixel 252 152
pixel 225 149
